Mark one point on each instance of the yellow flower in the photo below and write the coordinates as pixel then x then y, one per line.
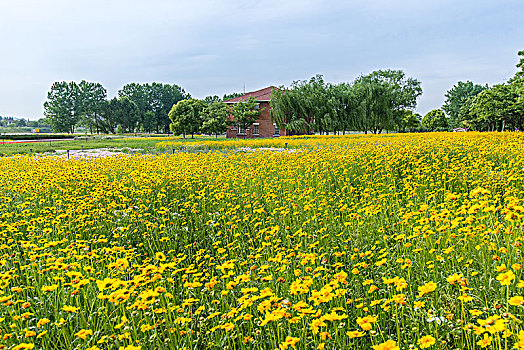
pixel 29 334
pixel 355 334
pixel 51 288
pixel 426 341
pixel 387 345
pixel 130 347
pixel 486 341
pixel 506 278
pixel 290 341
pixel 516 300
pixel 160 256
pixel 520 344
pixel 83 333
pixel 68 308
pixel 24 346
pixel 366 323
pixel 41 334
pixel 454 278
pixel 426 288
pixel 228 326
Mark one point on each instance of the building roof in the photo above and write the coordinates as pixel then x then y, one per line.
pixel 260 95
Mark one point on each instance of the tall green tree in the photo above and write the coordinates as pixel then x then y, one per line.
pixel 120 112
pixel 494 108
pixel 245 113
pixel 154 101
pixel 62 107
pixel 186 117
pixel 435 120
pixel 520 65
pixel 211 99
pixel 375 105
pixel 405 92
pixel 306 106
pixel 91 99
pixel 409 121
pixel 215 118
pixel 455 99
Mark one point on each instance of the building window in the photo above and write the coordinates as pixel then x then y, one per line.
pixel 241 131
pixel 277 130
pixel 255 129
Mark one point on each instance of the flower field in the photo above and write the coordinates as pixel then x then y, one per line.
pixel 407 241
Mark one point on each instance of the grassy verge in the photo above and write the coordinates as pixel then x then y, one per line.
pixel 144 144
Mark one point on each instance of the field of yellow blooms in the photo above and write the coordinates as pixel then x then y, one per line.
pixel 409 241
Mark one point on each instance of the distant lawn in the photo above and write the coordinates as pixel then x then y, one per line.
pixel 144 144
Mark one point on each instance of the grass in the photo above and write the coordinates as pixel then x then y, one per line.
pixel 145 144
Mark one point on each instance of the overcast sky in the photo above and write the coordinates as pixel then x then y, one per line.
pixel 217 47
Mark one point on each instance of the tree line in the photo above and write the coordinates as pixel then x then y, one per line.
pixel 481 107
pixel 381 100
pixel 211 115
pixel 138 107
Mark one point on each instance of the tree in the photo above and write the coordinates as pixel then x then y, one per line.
pixel 211 99
pixel 154 101
pixel 409 121
pixel 287 110
pixel 120 112
pixel 434 120
pixel 91 99
pixel 405 90
pixel 520 65
pixel 215 118
pixel 494 108
pixel 186 117
pixel 232 95
pixel 245 113
pixel 456 97
pixel 375 104
pixel 62 107
pixel 308 105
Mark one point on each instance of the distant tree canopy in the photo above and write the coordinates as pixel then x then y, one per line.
pixel 139 107
pixel 381 100
pixel 154 101
pixel 496 108
pixel 371 103
pixel 231 95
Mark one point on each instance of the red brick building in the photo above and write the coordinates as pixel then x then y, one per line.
pixel 264 126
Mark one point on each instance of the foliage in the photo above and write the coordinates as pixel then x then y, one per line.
pixel 455 99
pixel 63 107
pixel 91 98
pixel 211 99
pixel 154 101
pixel 186 117
pixel 231 96
pixel 215 118
pixel 372 102
pixel 120 112
pixel 500 107
pixel 245 112
pixel 435 120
